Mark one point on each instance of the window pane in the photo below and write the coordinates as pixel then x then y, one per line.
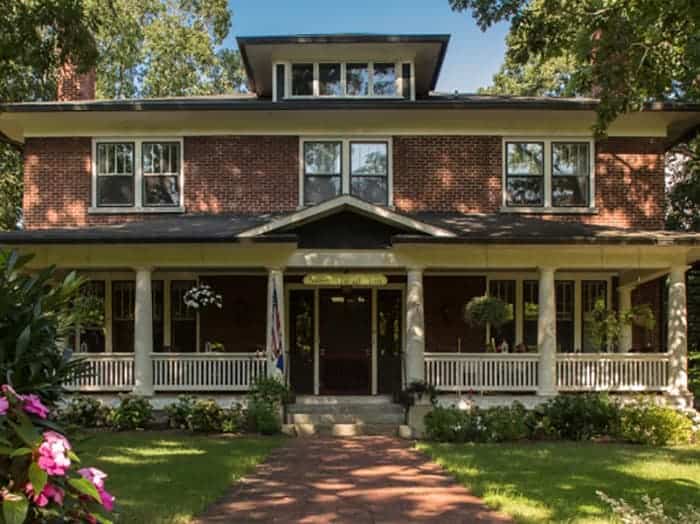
pixel 525 191
pixel 370 188
pixel 329 80
pixel 592 291
pixel 115 159
pixel 114 190
pixel 357 77
pixel 161 191
pixel 161 158
pixel 322 158
pixel 320 188
pixel 302 79
pixel 530 313
pixel 384 80
pixel 504 336
pixel 525 158
pixel 368 158
pixel 570 173
pixel 564 290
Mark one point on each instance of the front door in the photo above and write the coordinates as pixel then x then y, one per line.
pixel 345 341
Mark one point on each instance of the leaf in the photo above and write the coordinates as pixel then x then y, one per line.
pixel 23 340
pixel 14 508
pixel 85 487
pixel 27 433
pixel 20 451
pixel 4 450
pixel 100 518
pixel 38 477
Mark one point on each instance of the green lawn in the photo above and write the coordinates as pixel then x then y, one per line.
pixel 557 482
pixel 164 477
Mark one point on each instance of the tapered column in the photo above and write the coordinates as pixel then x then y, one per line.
pixel 625 304
pixel 275 322
pixel 678 331
pixel 143 333
pixel 547 333
pixel 415 327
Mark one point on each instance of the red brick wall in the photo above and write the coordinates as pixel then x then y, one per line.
pixel 256 174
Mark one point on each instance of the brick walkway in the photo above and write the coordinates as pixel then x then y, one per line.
pixel 359 480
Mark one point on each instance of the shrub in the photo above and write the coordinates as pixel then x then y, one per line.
pixel 206 416
pixel 653 512
pixel 133 412
pixel 646 423
pixel 454 425
pixel 263 418
pixel 234 419
pixel 38 469
pixel 506 423
pixel 179 411
pixel 86 412
pixel 270 390
pixel 579 417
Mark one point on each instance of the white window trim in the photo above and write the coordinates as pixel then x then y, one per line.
pixel 548 207
pixel 138 206
pixel 345 164
pixel 398 65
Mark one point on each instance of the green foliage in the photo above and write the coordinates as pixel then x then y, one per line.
pixel 647 423
pixel 488 310
pixel 206 416
pixel 606 325
pixel 416 391
pixel 263 418
pixel 36 313
pixel 497 424
pixel 577 416
pixel 627 52
pixel 133 412
pixel 270 390
pixel 179 411
pixel 11 186
pixel 652 512
pixel 157 48
pixel 85 412
pixel 235 419
pixel 506 423
pixel 683 180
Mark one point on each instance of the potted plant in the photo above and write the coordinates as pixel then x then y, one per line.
pixel 486 310
pixel 201 297
pixel 606 325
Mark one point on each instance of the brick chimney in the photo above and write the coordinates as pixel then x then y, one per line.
pixel 73 86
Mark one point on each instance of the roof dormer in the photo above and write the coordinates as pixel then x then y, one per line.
pixel 343 66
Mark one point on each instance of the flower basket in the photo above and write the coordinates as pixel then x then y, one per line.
pixel 201 297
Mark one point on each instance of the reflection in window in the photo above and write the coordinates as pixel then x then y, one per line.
pixel 592 291
pixel 329 80
pixel 531 299
pixel 504 336
pixel 302 79
pixel 357 78
pixel 322 171
pixel 92 335
pixel 161 173
pixel 564 291
pixel 115 174
pixel 369 171
pixel 570 173
pixel 123 300
pixel 524 174
pixel 384 80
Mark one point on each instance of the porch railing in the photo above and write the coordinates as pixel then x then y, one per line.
pixel 612 371
pixel 108 372
pixel 482 371
pixel 206 371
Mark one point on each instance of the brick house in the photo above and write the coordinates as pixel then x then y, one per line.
pixel 347 213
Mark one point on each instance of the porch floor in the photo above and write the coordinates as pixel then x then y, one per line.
pixel 360 480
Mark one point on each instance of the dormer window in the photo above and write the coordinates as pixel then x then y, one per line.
pixel 357 79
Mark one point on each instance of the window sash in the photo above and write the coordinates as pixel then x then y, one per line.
pixel 338 146
pixel 367 72
pixel 537 178
pixel 579 176
pixel 112 165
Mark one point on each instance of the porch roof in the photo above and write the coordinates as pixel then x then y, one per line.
pixel 461 229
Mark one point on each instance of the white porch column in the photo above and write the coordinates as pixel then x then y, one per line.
pixel 625 304
pixel 415 327
pixel 547 333
pixel 275 281
pixel 143 333
pixel 678 331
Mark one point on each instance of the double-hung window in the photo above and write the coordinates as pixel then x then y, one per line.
pixel 139 175
pixel 548 175
pixel 333 167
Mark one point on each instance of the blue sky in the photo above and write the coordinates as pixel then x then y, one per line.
pixel 472 56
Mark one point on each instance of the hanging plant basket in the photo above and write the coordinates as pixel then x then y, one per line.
pixel 201 297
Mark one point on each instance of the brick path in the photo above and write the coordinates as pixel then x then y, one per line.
pixel 359 480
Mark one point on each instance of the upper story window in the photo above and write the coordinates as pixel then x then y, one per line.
pixel 332 167
pixel 548 175
pixel 361 79
pixel 137 175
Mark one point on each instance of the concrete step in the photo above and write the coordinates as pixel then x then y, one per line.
pixel 341 410
pixel 340 430
pixel 328 419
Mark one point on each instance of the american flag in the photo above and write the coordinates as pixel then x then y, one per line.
pixel 277 346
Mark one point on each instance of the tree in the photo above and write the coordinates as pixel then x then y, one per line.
pixel 627 52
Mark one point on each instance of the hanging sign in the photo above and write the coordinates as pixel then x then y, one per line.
pixel 346 279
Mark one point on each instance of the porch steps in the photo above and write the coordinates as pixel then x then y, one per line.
pixel 345 416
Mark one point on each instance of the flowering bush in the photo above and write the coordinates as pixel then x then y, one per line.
pixel 86 412
pixel 646 423
pixel 205 415
pixel 179 411
pixel 38 481
pixel 133 412
pixel 202 296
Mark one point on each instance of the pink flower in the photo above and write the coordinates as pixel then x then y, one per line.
pixel 7 388
pixel 53 453
pixel 4 405
pixel 49 493
pixel 32 404
pixel 97 477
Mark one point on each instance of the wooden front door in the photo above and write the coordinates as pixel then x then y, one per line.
pixel 345 341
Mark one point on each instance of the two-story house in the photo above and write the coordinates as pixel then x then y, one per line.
pixel 346 213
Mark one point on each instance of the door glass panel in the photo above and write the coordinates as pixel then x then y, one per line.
pixel 564 290
pixel 183 320
pixel 301 341
pixel 389 340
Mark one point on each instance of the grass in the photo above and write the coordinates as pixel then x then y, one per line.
pixel 167 477
pixel 557 482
